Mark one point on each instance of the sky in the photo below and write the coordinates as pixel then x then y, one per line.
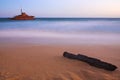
pixel 61 8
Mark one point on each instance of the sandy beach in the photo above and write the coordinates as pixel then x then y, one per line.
pixel 46 62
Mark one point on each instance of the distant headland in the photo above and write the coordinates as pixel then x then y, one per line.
pixel 23 16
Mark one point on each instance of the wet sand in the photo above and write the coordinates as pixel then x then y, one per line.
pixel 45 62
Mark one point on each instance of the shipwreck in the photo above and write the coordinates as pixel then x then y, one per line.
pixel 23 16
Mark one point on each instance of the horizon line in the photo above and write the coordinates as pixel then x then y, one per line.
pixel 69 17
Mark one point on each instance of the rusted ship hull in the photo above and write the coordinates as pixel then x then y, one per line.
pixel 23 18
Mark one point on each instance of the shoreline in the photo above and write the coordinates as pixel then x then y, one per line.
pixel 49 38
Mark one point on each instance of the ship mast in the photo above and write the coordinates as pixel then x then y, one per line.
pixel 21 10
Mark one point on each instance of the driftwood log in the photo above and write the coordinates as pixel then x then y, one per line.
pixel 91 61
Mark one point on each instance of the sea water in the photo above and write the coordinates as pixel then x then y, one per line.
pixel 61 30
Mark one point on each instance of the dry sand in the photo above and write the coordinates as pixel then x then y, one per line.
pixel 45 62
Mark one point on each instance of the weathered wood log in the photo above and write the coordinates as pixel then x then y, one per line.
pixel 69 55
pixel 91 61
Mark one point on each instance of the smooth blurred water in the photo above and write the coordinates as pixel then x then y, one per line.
pixel 67 25
pixel 84 29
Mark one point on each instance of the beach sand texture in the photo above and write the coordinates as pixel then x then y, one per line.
pixel 46 62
